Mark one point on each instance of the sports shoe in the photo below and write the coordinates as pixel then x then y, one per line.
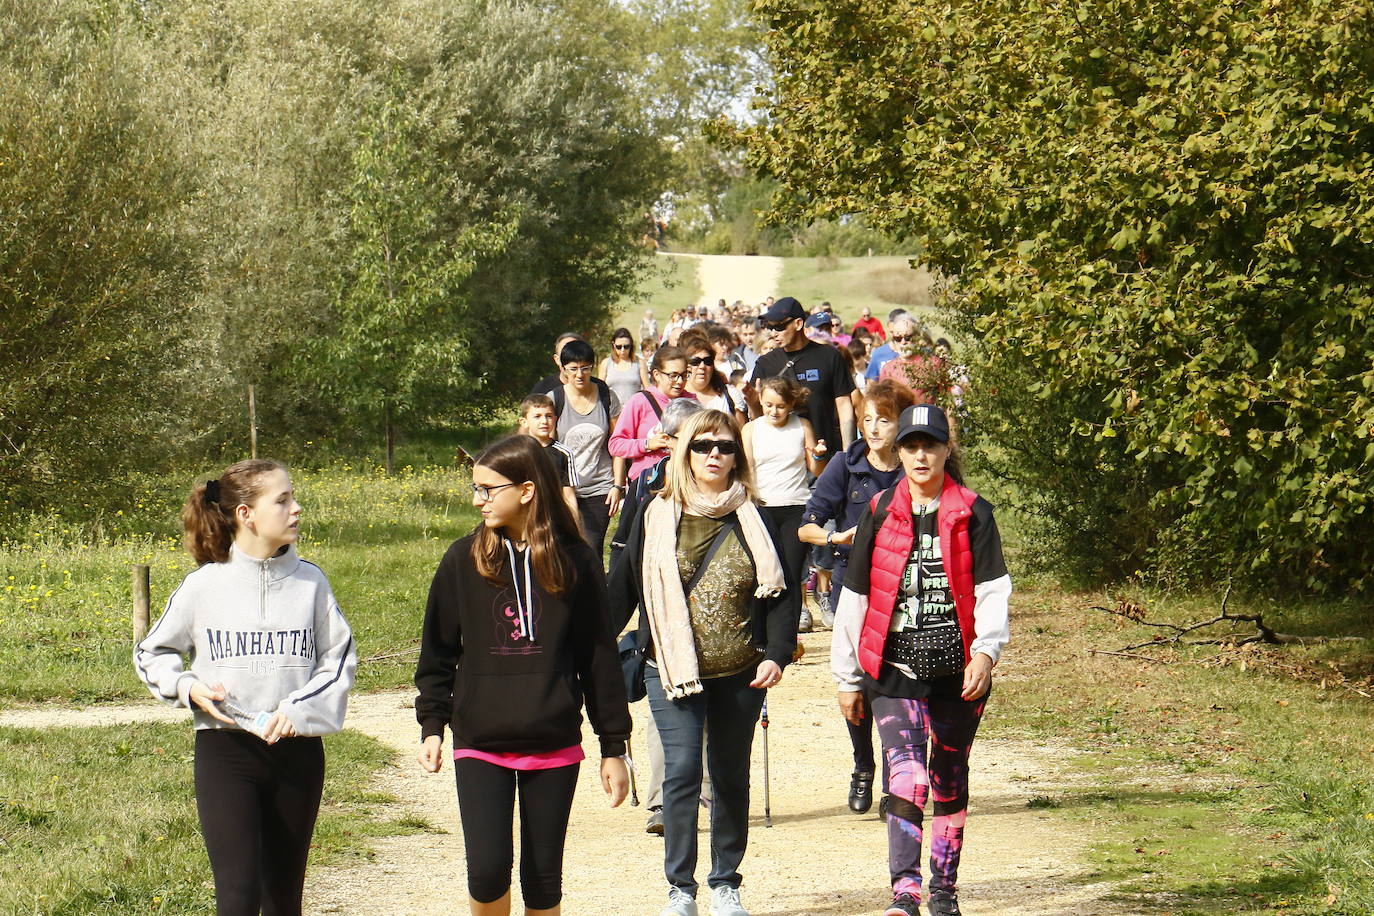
pixel 827 615
pixel 943 903
pixel 904 905
pixel 860 792
pixel 655 824
pixel 725 902
pixel 804 623
pixel 680 903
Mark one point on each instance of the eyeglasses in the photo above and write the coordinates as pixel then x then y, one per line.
pixel 700 361
pixel 903 338
pixel 578 370
pixel 779 325
pixel 672 376
pixel 624 346
pixel 484 493
pixel 707 446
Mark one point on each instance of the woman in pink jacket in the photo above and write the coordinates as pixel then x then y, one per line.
pixel 638 434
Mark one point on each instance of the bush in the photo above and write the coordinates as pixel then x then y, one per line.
pixel 1153 219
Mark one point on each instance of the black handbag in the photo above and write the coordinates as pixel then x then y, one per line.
pixel 935 651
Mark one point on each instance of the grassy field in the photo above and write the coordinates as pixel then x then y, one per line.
pixel 670 284
pixel 65 604
pixel 851 284
pixel 102 821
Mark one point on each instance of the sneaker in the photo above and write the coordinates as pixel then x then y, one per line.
pixel 725 902
pixel 827 615
pixel 804 624
pixel 943 903
pixel 655 824
pixel 680 903
pixel 904 905
pixel 860 792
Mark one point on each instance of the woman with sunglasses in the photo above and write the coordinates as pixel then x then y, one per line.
pixel 718 618
pixel 920 623
pixel 516 638
pixel 622 370
pixel 916 364
pixel 638 434
pixel 705 381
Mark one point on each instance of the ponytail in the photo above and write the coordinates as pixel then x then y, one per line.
pixel 208 516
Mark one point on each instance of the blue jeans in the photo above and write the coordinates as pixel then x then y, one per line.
pixel 729 708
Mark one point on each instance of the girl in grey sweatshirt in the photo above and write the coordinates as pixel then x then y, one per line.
pixel 271 661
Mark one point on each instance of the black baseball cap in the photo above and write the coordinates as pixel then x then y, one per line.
pixel 923 418
pixel 784 309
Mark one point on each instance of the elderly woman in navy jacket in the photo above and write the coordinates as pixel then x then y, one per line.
pixel 843 492
pixel 920 624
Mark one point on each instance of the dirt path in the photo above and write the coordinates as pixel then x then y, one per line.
pixel 817 859
pixel 746 277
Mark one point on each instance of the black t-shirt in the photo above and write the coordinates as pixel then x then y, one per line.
pixel 822 370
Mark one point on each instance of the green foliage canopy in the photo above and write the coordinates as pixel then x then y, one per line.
pixel 1155 224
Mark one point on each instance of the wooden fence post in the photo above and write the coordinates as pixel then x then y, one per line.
pixel 141 602
pixel 252 424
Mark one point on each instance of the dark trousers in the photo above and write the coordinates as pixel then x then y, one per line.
pixel 486 802
pixel 787 519
pixel 728 708
pixel 596 518
pixel 257 805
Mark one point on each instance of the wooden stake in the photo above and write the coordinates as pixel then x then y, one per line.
pixel 141 602
pixel 252 424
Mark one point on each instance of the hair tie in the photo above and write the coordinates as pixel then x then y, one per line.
pixel 212 491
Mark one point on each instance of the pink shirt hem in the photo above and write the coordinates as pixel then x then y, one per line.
pixel 546 760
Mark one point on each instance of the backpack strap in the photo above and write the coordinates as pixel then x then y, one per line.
pixel 880 505
pixel 603 394
pixel 653 402
pixel 708 556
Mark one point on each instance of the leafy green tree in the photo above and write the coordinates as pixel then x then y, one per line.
pixel 95 266
pixel 1154 226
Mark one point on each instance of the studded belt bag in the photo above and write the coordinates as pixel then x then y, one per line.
pixel 936 651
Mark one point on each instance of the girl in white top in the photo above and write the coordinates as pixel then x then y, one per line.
pixel 782 447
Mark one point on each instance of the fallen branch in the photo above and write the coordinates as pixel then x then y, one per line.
pixel 415 650
pixel 1143 658
pixel 1265 634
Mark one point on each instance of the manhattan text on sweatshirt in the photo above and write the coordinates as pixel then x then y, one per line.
pixel 269 630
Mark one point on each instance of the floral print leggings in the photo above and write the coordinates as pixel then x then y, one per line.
pixel 926 743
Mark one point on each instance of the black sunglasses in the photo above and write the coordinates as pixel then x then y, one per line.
pixel 700 361
pixel 902 338
pixel 707 446
pixel 625 346
pixel 778 325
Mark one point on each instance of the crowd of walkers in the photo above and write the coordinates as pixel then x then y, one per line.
pixel 768 470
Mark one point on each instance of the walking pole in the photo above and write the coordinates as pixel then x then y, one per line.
pixel 634 788
pixel 767 794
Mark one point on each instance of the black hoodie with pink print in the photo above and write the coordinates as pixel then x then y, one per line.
pixel 508 667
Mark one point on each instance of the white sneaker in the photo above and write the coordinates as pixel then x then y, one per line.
pixel 680 903
pixel 725 902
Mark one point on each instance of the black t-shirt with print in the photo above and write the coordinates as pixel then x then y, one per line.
pixel 821 369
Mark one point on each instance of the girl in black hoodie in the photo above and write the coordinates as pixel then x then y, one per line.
pixel 516 638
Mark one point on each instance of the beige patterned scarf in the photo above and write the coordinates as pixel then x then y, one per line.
pixel 665 601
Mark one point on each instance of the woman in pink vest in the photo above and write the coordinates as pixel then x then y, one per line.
pixel 919 626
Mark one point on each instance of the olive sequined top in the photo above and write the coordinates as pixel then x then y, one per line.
pixel 721 602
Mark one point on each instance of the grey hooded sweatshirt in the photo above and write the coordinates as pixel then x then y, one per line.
pixel 269 630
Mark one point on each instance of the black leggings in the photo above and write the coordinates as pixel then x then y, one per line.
pixel 787 519
pixel 486 801
pixel 257 805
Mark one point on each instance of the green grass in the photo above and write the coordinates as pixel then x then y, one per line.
pixel 102 821
pixel 849 284
pixel 1211 786
pixel 65 606
pixel 670 284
